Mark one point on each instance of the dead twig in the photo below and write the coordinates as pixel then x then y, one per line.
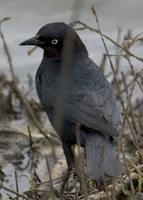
pixel 85 26
pixel 83 182
pixel 17 188
pixel 127 108
pixel 111 64
pixel 51 182
pixel 12 191
pixel 104 183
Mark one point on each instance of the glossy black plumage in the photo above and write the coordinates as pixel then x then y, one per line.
pixel 89 98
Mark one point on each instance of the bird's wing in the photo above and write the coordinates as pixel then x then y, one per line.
pixel 95 110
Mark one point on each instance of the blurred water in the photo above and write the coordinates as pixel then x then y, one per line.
pixel 28 16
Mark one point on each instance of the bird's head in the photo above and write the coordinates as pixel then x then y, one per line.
pixel 58 39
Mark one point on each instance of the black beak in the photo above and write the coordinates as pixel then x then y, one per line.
pixel 32 41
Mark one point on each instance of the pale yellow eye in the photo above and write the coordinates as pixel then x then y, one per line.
pixel 55 41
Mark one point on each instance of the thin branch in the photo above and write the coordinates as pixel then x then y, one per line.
pixel 112 67
pixel 12 191
pixel 127 107
pixel 83 182
pixel 51 182
pixel 85 26
pixel 17 189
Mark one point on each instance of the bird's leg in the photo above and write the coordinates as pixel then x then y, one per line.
pixel 65 179
pixel 70 161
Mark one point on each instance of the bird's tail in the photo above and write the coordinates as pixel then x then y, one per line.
pixel 101 157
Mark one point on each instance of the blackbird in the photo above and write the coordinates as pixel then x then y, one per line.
pixel 73 90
